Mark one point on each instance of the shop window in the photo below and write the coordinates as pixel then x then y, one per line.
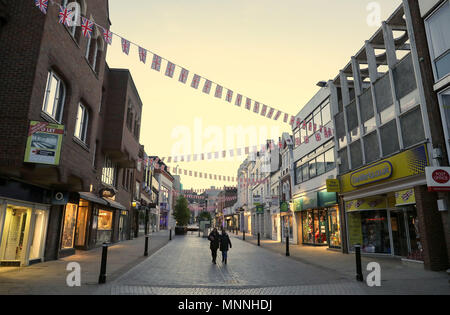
pixel 437 26
pixel 81 124
pixel 104 220
pixel 70 219
pixel 370 230
pixel 55 94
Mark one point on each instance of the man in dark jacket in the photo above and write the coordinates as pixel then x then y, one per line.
pixel 225 244
pixel 214 239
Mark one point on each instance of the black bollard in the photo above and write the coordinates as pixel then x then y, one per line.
pixel 243 235
pixel 259 239
pixel 359 274
pixel 146 245
pixel 102 277
pixel 287 246
pixel 198 231
pixel 170 234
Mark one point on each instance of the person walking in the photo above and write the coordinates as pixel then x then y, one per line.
pixel 225 245
pixel 214 238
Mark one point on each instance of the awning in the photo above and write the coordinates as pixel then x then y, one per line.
pixel 114 204
pixel 93 198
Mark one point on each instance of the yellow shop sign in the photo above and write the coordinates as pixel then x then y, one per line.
pixel 371 174
pixel 333 185
pixel 408 163
pixel 405 197
pixel 369 203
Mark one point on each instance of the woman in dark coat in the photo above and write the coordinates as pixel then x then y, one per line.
pixel 225 245
pixel 214 239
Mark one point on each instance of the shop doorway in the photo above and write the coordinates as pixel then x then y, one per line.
pixel 82 224
pixel 315 227
pixel 13 242
pixel 23 232
pixel 405 233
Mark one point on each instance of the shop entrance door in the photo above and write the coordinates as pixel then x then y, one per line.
pixel 399 233
pixel 17 221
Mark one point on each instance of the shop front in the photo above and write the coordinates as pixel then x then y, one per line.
pixel 287 222
pixel 91 221
pixel 319 216
pixel 385 224
pixel 384 219
pixel 23 231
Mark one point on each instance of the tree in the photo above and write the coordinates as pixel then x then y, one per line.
pixel 182 214
pixel 204 216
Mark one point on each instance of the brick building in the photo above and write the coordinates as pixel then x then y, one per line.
pixel 68 182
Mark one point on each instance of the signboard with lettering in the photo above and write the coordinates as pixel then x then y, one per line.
pixel 333 185
pixel 369 203
pixel 438 178
pixel 371 174
pixel 408 163
pixel 44 143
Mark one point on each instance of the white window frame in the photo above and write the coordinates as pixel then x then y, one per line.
pixel 430 41
pixel 444 119
pixel 60 100
pixel 83 124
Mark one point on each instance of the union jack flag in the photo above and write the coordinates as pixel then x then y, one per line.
pixel 238 100
pixel 270 114
pixel 142 55
pixel 277 115
pixel 264 110
pixel 65 16
pixel 42 5
pixel 207 87
pixel 87 27
pixel 256 107
pixel 195 81
pixel 107 35
pixel 229 96
pixel 183 75
pixel 156 63
pixel 170 69
pixel 125 46
pixel 248 103
pixel 219 90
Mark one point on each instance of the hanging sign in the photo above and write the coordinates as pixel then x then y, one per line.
pixel 44 143
pixel 438 178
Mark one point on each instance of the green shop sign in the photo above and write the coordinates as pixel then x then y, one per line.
pixel 260 209
pixel 284 207
pixel 327 199
pixel 321 199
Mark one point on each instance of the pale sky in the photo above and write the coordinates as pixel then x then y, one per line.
pixel 271 51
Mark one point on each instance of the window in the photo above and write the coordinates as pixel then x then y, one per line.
pixel 130 117
pixel 438 25
pixel 329 160
pixel 312 169
pixel 109 172
pixel 55 94
pixel 326 113
pixel 81 123
pixel 74 30
pixel 320 164
pixel 105 220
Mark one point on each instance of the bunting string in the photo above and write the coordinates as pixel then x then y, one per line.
pixel 87 27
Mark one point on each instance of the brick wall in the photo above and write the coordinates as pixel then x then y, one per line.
pixel 432 234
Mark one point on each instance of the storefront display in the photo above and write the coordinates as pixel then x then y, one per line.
pixel 104 226
pixel 69 226
pixel 334 228
pixel 23 232
pixel 385 225
pixel 287 227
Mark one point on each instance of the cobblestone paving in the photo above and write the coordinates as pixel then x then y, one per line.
pixel 184 268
